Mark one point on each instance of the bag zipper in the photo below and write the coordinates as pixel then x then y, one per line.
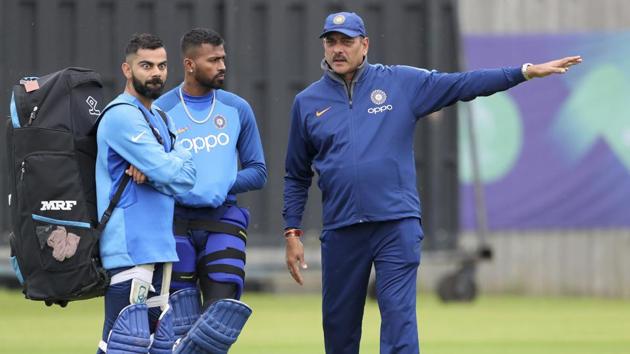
pixel 32 116
pixel 24 164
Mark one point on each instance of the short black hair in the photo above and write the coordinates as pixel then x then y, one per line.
pixel 142 41
pixel 198 36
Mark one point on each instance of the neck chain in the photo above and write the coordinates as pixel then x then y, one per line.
pixel 181 97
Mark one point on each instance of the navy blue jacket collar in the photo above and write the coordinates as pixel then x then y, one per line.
pixel 337 78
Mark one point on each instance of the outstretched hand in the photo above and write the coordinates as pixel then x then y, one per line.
pixel 558 66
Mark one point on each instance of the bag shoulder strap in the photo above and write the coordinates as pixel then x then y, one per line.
pixel 112 203
pixel 154 130
pixel 125 179
pixel 165 119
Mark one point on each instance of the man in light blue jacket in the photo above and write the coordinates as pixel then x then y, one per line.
pixel 137 242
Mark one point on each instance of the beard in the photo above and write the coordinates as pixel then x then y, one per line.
pixel 216 82
pixel 144 90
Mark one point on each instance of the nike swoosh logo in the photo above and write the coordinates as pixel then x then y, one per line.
pixel 137 137
pixel 319 113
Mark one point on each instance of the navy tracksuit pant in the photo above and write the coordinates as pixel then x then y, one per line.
pixel 347 257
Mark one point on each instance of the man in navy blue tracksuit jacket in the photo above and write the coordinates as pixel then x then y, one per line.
pixel 355 127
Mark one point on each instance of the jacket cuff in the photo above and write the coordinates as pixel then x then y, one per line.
pixel 292 222
pixel 515 74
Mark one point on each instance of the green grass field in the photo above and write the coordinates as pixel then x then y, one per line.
pixel 292 324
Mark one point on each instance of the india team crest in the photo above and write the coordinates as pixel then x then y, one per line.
pixel 378 97
pixel 219 121
pixel 339 19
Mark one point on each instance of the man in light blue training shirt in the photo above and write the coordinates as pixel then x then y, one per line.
pixel 135 139
pixel 219 129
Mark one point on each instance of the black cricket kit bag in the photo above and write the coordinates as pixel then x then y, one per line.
pixel 51 148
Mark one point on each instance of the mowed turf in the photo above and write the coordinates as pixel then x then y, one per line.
pixel 292 324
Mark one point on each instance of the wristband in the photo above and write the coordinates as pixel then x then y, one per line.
pixel 293 233
pixel 524 70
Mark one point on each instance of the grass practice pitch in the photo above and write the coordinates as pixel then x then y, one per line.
pixel 291 324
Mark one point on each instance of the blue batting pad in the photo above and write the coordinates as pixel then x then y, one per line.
pixel 164 336
pixel 186 306
pixel 217 329
pixel 130 333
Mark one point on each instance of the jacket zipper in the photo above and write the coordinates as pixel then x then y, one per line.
pixel 349 89
pixel 349 92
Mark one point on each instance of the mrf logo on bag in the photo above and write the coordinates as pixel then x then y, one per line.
pixel 57 204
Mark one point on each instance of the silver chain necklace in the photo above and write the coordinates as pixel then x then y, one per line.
pixel 181 97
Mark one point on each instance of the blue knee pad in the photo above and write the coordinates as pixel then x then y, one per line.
pixel 130 333
pixel 216 330
pixel 186 305
pixel 164 337
pixel 224 255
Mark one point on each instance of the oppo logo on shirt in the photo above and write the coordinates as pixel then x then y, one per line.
pixel 206 143
pixel 380 109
